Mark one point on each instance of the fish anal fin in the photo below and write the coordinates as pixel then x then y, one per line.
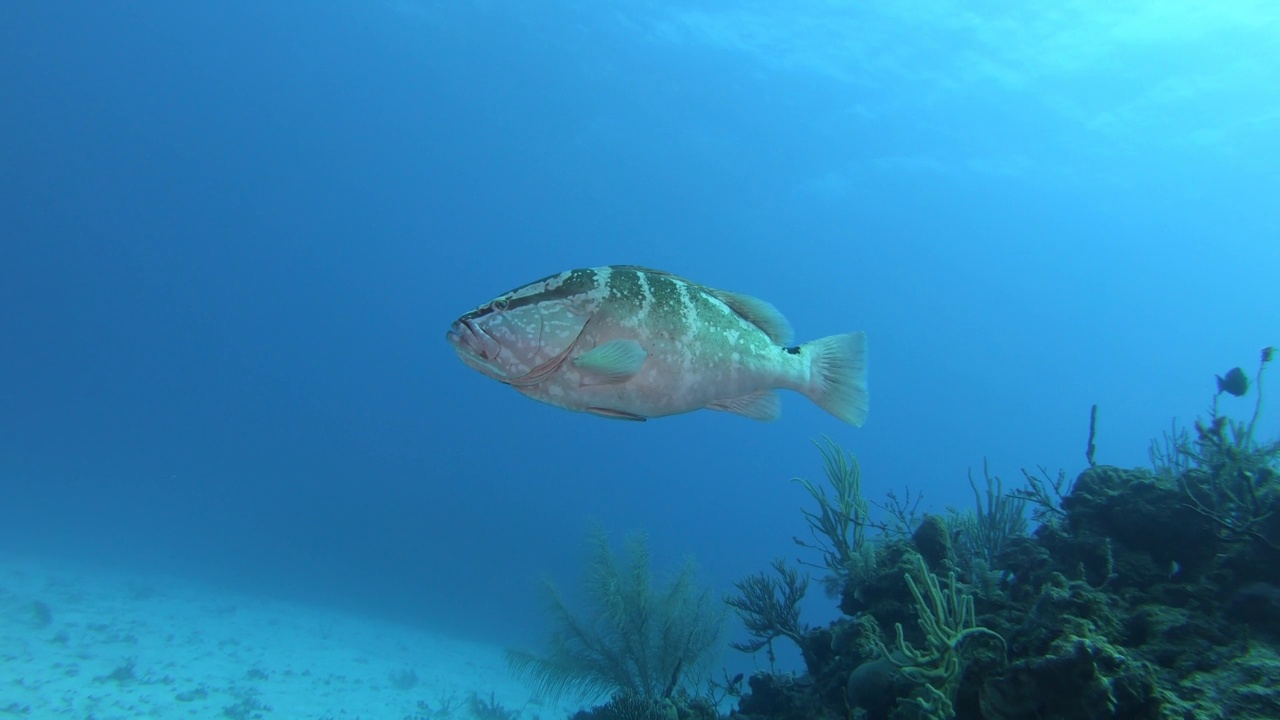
pixel 762 405
pixel 612 362
pixel 615 414
pixel 758 312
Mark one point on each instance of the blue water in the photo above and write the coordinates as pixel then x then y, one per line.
pixel 233 234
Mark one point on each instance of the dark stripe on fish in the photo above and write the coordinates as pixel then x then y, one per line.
pixel 667 302
pixel 575 282
pixel 626 292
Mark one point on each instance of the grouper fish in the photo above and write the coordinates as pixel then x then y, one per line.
pixel 634 343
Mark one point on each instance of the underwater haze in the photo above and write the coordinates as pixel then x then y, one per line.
pixel 234 234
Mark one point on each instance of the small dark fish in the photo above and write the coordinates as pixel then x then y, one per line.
pixel 1235 383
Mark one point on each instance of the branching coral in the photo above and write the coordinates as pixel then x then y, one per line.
pixel 635 639
pixel 947 619
pixel 770 608
pixel 839 525
pixel 986 533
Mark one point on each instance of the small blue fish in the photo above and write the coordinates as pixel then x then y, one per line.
pixel 1234 383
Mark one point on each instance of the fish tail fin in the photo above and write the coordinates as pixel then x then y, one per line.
pixel 838 376
pixel 1222 384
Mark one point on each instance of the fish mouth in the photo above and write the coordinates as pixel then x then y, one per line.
pixel 475 347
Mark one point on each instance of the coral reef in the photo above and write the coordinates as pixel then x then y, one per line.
pixel 1133 606
pixel 1140 594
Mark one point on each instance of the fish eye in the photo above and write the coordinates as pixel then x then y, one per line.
pixel 499 304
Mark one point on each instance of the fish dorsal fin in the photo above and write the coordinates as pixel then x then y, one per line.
pixel 643 269
pixel 757 312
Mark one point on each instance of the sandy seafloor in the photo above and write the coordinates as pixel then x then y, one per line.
pixel 76 642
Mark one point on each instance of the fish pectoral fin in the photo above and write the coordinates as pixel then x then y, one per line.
pixel 615 414
pixel 613 362
pixel 760 405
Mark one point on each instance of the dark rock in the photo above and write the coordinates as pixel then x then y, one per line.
pixel 932 541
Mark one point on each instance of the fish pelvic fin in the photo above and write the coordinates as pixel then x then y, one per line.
pixel 838 376
pixel 615 414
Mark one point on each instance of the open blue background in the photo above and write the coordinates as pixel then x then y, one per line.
pixel 233 233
